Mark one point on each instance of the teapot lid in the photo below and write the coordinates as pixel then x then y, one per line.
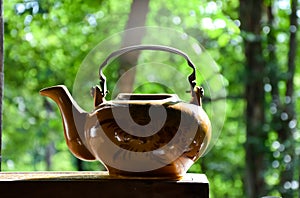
pixel 161 99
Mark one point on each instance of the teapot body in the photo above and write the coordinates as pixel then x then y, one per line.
pixel 150 135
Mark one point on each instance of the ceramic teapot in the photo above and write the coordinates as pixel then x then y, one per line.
pixel 136 135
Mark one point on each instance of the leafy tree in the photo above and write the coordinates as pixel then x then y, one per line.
pixel 265 72
pixel 53 37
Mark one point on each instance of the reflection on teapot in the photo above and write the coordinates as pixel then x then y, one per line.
pixel 136 135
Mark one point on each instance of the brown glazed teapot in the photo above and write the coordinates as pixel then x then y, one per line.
pixel 137 135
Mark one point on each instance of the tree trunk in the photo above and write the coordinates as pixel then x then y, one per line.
pixel 250 16
pixel 137 18
pixel 1 74
pixel 50 150
pixel 272 62
pixel 285 133
pixel 79 165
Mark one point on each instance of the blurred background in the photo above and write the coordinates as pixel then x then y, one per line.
pixel 254 44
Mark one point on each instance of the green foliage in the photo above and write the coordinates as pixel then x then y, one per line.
pixel 46 42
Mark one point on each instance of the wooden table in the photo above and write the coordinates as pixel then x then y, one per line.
pixel 98 184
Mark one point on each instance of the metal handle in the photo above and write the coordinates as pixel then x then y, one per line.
pixel 191 77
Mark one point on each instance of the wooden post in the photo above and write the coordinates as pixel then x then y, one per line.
pixel 1 75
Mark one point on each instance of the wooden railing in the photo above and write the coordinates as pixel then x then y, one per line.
pixel 98 184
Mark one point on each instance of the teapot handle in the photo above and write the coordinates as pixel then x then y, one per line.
pixel 191 77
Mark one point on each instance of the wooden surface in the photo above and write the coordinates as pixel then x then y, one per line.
pixel 98 184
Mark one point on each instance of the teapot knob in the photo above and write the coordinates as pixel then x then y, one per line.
pixel 97 94
pixel 197 95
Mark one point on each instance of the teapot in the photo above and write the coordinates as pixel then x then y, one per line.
pixel 136 135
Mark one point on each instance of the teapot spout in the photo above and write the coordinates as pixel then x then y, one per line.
pixel 73 118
